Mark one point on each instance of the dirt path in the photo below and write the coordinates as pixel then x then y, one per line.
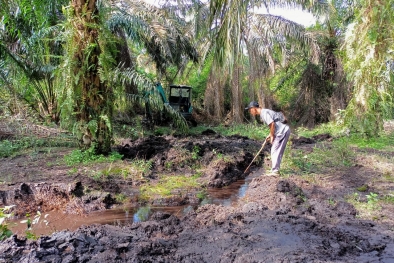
pixel 292 218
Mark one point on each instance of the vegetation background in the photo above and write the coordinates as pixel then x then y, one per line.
pixel 83 65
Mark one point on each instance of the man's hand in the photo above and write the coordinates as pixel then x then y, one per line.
pixel 270 138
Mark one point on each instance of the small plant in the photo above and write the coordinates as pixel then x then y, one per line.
pixel 201 195
pixel 195 152
pixel 168 165
pixel 140 167
pixel 159 131
pixel 366 209
pixel 372 199
pixel 5 232
pixel 36 219
pixel 7 148
pixel 96 175
pixel 120 198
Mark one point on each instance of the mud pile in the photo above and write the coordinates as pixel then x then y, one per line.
pixel 275 222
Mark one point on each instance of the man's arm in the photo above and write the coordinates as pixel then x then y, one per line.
pixel 271 136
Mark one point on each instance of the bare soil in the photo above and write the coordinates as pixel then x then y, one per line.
pixel 288 218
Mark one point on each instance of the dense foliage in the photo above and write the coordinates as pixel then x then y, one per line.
pixel 370 64
pixel 79 63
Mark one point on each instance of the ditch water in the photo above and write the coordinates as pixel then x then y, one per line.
pixel 56 221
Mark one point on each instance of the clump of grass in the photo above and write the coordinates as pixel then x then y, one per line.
pixel 140 168
pixel 135 170
pixel 185 157
pixel 120 198
pixel 221 157
pixel 168 186
pixel 368 209
pixel 88 156
pixel 362 188
pixel 389 198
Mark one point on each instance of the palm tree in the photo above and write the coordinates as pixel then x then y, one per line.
pixel 369 62
pixel 30 53
pixel 71 62
pixel 91 52
pixel 241 31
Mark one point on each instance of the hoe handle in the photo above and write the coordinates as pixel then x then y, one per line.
pixel 256 156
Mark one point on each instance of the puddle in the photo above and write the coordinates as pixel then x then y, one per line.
pixel 54 221
pixel 229 195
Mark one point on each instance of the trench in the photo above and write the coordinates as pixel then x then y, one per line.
pixel 53 221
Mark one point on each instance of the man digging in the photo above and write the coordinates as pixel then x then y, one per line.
pixel 278 136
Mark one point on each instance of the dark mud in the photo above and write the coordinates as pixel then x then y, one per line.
pixel 278 220
pixel 274 225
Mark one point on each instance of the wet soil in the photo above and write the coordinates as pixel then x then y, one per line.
pixel 290 218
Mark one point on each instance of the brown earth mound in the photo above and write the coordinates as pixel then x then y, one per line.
pixel 278 220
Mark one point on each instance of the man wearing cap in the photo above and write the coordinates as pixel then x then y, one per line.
pixel 278 136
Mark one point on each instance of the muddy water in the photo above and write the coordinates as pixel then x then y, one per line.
pixel 53 221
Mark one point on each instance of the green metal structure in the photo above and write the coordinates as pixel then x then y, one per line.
pixel 180 99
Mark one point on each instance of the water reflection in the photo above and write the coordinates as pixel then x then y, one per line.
pixel 229 195
pixel 142 214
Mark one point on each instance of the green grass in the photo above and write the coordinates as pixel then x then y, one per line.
pixel 168 186
pixel 389 198
pixel 331 128
pixel 337 154
pixel 88 156
pixel 381 142
pixel 10 148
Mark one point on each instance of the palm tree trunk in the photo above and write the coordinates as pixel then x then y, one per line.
pixel 237 113
pixel 93 97
pixel 214 95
